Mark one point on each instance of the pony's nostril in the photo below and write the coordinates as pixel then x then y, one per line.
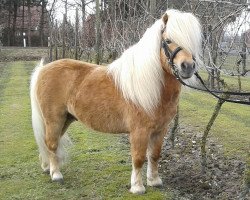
pixel 187 66
pixel 193 66
pixel 184 66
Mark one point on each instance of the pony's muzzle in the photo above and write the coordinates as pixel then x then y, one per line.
pixel 187 70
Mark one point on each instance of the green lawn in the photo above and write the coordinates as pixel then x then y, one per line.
pixel 231 128
pixel 99 166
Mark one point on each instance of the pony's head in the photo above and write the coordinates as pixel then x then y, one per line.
pixel 181 43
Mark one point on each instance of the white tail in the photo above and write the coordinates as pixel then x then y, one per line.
pixel 39 126
pixel 37 119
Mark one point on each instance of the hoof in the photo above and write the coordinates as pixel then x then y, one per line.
pixel 137 189
pixel 57 177
pixel 61 181
pixel 157 182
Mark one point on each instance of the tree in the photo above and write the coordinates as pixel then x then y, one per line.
pixel 76 34
pixel 29 22
pixel 41 32
pixel 153 9
pixel 98 33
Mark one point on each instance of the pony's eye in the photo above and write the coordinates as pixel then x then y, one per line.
pixel 168 41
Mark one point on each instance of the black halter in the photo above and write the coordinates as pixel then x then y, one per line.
pixel 171 55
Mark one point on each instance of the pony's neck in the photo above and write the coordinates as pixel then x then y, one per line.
pixel 138 73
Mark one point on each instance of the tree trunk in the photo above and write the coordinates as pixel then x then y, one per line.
pixel 23 19
pixel 42 24
pixel 205 134
pixel 65 17
pixel 83 22
pixel 56 45
pixel 9 24
pixel 112 10
pixel 98 34
pixel 14 24
pixel 29 22
pixel 76 34
pixel 63 36
pixel 244 53
pixel 152 10
pixel 239 77
pixel 175 128
pixel 66 8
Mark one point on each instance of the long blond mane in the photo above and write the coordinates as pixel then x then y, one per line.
pixel 138 72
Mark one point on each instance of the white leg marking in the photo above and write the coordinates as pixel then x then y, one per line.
pixel 153 178
pixel 44 165
pixel 55 173
pixel 57 176
pixel 136 182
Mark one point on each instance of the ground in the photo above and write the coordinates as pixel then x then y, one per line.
pixel 18 53
pixel 182 169
pixel 99 164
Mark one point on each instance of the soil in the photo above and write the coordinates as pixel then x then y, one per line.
pixel 180 168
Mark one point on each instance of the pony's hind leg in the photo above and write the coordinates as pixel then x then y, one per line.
pixel 139 143
pixel 44 164
pixel 153 155
pixel 53 137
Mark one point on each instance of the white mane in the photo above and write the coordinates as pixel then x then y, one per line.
pixel 138 72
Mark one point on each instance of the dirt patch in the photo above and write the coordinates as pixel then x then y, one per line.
pixel 181 169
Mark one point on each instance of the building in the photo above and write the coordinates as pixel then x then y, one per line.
pixel 15 26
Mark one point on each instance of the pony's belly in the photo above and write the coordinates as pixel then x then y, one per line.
pixel 104 124
pixel 101 118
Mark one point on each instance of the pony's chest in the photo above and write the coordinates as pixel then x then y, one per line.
pixel 167 110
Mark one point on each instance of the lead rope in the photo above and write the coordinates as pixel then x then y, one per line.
pixel 171 56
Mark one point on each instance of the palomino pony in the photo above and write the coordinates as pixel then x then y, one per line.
pixel 136 94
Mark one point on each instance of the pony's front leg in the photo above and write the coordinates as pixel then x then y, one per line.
pixel 139 143
pixel 153 155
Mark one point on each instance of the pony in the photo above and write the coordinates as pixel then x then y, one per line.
pixel 136 94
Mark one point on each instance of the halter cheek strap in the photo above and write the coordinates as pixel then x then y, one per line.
pixel 168 53
pixel 171 55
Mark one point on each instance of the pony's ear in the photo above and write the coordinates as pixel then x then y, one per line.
pixel 165 18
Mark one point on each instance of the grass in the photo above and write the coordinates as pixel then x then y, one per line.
pixel 231 81
pixel 99 166
pixel 231 128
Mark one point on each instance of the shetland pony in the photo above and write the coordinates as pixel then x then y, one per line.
pixel 136 94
